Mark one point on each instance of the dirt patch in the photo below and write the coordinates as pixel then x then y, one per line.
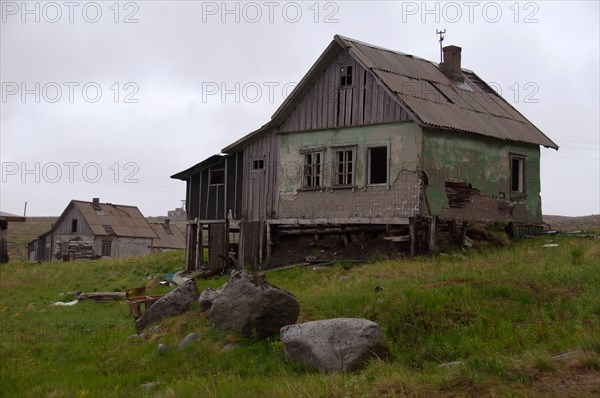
pixel 568 383
pixel 295 250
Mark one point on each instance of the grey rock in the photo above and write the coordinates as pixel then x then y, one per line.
pixel 174 303
pixel 74 293
pixel 187 340
pixel 206 299
pixel 162 349
pixel 102 296
pixel 334 345
pixel 253 307
pixel 229 347
pixel 135 338
pixel 453 364
pixel 150 385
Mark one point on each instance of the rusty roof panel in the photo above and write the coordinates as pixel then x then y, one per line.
pixel 437 101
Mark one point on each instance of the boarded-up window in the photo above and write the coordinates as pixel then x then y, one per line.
pixel 311 172
pixel 378 165
pixel 73 226
pixel 517 174
pixel 344 167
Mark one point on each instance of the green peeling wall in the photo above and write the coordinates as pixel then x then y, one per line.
pixel 399 199
pixel 484 163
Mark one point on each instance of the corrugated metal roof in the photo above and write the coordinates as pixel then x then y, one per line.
pixel 126 221
pixel 420 86
pixel 166 240
pixel 11 217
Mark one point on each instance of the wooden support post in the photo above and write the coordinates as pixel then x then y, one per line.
pixel 261 243
pixel 463 233
pixel 187 246
pixel 413 237
pixel 432 233
pixel 198 259
pixel 269 240
pixel 201 245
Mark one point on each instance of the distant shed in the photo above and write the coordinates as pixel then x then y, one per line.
pixel 5 218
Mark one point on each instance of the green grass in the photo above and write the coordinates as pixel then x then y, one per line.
pixel 503 313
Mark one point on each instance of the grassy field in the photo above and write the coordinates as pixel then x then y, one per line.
pixel 503 313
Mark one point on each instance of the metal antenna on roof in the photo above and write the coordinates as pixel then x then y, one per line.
pixel 441 33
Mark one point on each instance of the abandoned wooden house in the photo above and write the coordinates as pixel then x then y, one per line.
pixel 169 236
pixel 5 219
pixel 87 230
pixel 370 137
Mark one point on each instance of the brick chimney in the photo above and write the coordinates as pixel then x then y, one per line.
pixel 167 221
pixel 96 202
pixel 451 64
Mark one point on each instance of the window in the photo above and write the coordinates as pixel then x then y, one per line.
pixel 311 172
pixel 73 226
pixel 346 75
pixel 106 245
pixel 258 165
pixel 216 177
pixel 517 174
pixel 344 167
pixel 378 165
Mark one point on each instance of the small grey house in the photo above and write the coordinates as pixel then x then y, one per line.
pixel 87 230
pixel 370 137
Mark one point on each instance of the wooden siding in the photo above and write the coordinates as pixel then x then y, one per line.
pixel 234 174
pixel 64 227
pixel 259 193
pixel 326 105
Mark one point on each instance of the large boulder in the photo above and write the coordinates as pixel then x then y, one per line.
pixel 334 345
pixel 248 304
pixel 173 303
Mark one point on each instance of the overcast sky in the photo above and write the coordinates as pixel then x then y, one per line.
pixel 106 99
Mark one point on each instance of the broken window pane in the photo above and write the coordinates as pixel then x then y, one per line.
pixel 378 165
pixel 517 174
pixel 216 177
pixel 312 170
pixel 346 75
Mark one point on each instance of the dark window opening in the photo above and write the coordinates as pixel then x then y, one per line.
pixel 106 246
pixel 258 164
pixel 517 174
pixel 312 170
pixel 378 165
pixel 74 226
pixel 344 172
pixel 216 177
pixel 346 75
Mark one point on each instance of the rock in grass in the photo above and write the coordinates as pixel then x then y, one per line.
pixel 162 348
pixel 251 306
pixel 334 345
pixel 206 299
pixel 187 340
pixel 174 303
